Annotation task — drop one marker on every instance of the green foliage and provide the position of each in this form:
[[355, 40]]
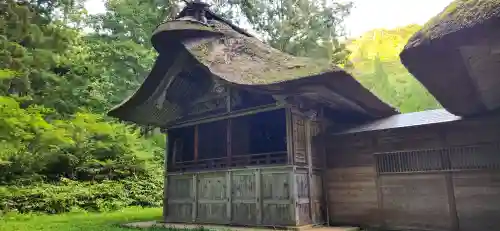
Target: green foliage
[[377, 66], [84, 148], [57, 149], [89, 196]]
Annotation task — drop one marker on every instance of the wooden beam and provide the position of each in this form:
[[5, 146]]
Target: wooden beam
[[172, 74], [225, 116]]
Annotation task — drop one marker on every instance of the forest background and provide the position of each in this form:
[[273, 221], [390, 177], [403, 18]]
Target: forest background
[[61, 69]]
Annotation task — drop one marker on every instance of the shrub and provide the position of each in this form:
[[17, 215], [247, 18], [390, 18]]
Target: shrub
[[71, 195], [86, 147], [85, 162]]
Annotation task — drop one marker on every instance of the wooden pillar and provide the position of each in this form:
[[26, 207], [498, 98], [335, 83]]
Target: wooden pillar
[[258, 196], [295, 197], [324, 177], [289, 136], [196, 143], [229, 126], [229, 195], [194, 209], [165, 182], [229, 145], [312, 209], [450, 187]]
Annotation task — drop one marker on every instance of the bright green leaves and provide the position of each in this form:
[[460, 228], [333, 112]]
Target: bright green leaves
[[377, 66], [87, 147]]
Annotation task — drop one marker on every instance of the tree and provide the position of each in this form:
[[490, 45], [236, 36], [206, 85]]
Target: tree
[[300, 27], [377, 66], [134, 20]]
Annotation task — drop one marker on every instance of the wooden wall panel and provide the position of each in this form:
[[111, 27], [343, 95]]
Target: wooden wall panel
[[317, 145], [276, 198], [256, 196], [415, 202], [303, 209], [244, 197], [317, 199], [462, 192], [212, 197], [472, 132], [180, 203], [352, 195], [477, 196], [404, 139]]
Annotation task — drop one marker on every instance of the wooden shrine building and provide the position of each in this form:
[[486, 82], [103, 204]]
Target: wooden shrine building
[[257, 137]]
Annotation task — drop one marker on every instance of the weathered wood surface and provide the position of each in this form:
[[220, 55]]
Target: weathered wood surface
[[352, 195], [303, 199], [415, 202], [276, 196], [317, 199], [299, 139], [477, 196], [433, 177]]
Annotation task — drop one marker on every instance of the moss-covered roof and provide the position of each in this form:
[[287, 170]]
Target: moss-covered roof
[[246, 60], [229, 53], [435, 54], [458, 15]]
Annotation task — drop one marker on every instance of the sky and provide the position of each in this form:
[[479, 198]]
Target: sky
[[367, 14]]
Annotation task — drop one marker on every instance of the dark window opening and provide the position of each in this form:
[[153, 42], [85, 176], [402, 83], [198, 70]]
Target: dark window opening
[[212, 139], [181, 144], [249, 100], [262, 136], [258, 139]]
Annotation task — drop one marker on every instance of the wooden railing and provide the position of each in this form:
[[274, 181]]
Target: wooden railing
[[270, 158]]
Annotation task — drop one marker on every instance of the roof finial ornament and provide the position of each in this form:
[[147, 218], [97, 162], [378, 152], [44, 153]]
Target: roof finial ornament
[[197, 10]]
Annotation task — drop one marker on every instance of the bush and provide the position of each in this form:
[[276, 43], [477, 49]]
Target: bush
[[71, 195], [86, 147], [85, 162]]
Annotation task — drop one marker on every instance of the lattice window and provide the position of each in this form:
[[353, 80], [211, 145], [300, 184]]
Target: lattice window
[[486, 156]]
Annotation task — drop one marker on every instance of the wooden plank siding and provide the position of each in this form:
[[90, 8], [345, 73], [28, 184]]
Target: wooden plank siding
[[431, 177], [260, 196]]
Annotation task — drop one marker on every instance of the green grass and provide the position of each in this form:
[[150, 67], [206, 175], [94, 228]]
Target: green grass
[[80, 221]]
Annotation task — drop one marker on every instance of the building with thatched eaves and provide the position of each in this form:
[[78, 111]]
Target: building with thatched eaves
[[456, 56], [257, 137]]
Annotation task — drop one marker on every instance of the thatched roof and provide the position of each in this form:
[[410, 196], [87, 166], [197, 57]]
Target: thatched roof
[[232, 55], [456, 55]]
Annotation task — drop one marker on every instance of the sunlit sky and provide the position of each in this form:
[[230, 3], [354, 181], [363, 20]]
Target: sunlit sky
[[367, 14]]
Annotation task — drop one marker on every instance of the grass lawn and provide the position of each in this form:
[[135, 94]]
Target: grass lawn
[[79, 221]]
